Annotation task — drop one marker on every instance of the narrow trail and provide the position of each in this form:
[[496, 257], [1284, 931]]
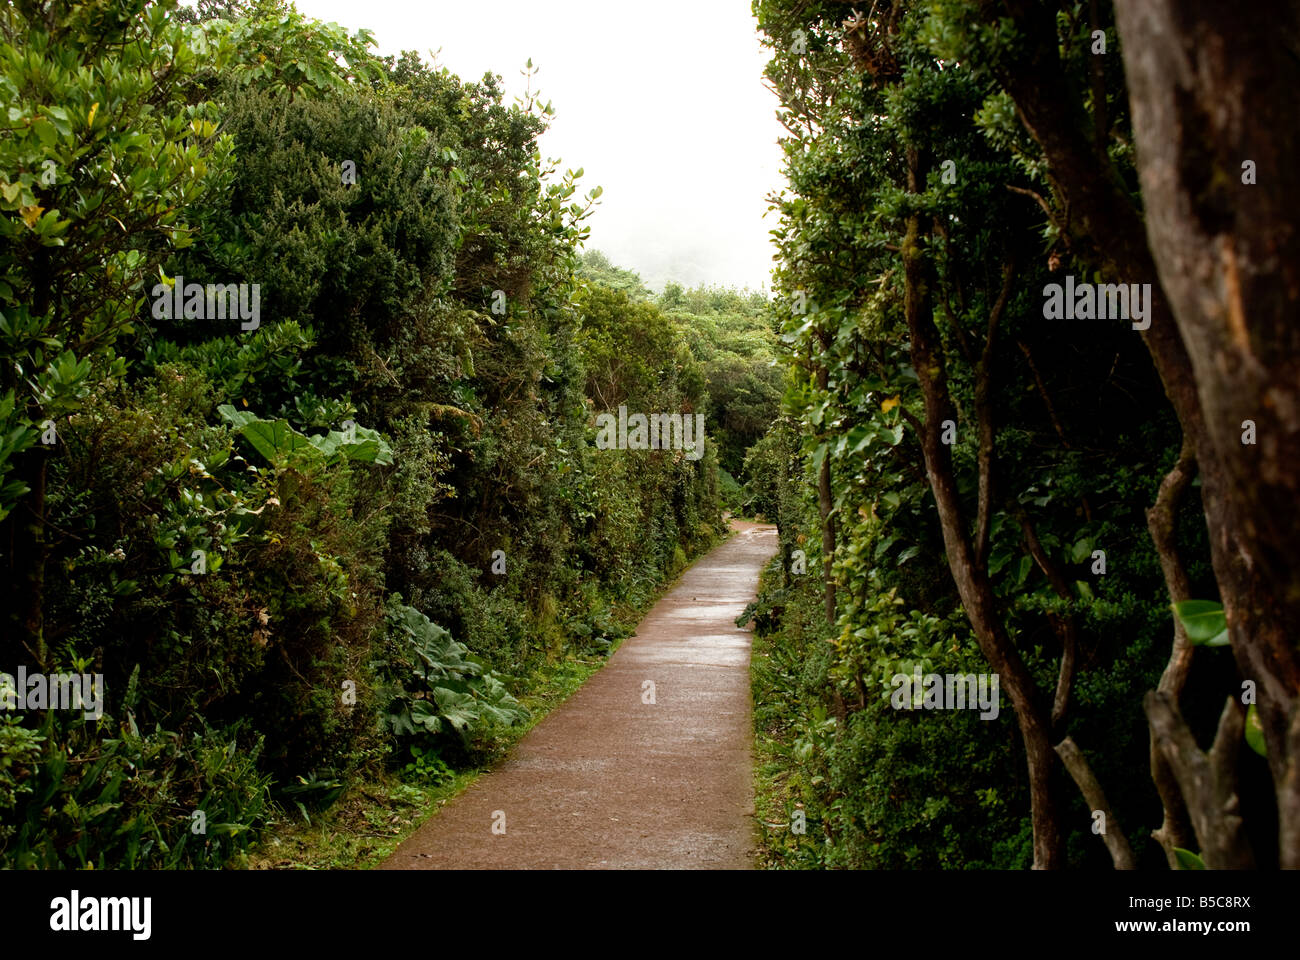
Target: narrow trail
[[609, 781]]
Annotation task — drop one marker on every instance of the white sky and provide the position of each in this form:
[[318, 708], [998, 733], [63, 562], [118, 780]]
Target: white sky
[[661, 104]]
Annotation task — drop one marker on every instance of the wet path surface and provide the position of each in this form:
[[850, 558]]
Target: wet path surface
[[608, 780]]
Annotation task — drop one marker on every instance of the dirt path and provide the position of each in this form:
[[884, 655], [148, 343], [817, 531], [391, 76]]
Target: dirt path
[[608, 780]]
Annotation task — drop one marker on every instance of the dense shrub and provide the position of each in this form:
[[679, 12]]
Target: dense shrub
[[345, 537]]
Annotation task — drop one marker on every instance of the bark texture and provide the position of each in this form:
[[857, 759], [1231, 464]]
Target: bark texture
[[1213, 91]]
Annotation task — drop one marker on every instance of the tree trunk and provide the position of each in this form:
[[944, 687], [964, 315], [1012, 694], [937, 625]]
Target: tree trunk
[[1212, 90], [972, 580], [1206, 94]]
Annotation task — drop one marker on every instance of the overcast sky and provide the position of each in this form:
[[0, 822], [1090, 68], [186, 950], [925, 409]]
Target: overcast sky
[[661, 104]]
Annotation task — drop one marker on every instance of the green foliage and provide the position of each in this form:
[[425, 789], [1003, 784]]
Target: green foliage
[[1255, 731], [278, 442], [90, 806], [1188, 860], [595, 267], [427, 766], [1204, 622], [880, 788], [99, 162], [730, 491], [1070, 462], [19, 749], [277, 49], [435, 689], [731, 333], [211, 525]]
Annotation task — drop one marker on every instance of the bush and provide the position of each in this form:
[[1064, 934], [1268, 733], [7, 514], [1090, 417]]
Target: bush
[[103, 794]]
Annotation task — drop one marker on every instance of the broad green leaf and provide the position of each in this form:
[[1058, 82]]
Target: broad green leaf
[[273, 439], [424, 714], [276, 440], [1204, 622], [1188, 860], [459, 709], [858, 437], [361, 444]]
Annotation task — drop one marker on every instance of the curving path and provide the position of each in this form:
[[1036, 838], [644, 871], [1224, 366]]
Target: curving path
[[610, 781]]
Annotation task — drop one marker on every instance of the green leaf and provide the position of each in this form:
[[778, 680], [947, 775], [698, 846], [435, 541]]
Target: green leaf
[[424, 714], [277, 440], [453, 692], [1204, 622], [857, 438], [818, 456], [1188, 860], [273, 439], [1255, 732], [458, 709], [45, 132], [361, 444]]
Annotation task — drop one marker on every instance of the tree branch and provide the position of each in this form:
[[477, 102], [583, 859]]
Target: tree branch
[[1208, 781], [1176, 829], [1121, 854]]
